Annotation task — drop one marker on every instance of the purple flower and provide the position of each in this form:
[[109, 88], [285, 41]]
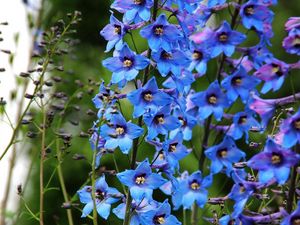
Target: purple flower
[[134, 10], [125, 65], [292, 23], [290, 128], [294, 218], [274, 162], [292, 42], [114, 33], [161, 34], [273, 73], [141, 181]]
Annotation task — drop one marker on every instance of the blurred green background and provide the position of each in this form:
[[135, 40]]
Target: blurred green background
[[86, 65]]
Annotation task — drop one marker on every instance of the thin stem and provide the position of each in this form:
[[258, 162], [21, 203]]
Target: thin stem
[[29, 210], [93, 178], [292, 188]]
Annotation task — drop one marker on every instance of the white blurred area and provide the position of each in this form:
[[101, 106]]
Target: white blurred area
[[15, 13]]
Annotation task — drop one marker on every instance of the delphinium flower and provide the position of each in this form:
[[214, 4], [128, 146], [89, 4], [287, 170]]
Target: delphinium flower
[[160, 122], [290, 128], [259, 54], [119, 133], [224, 39], [134, 10], [141, 181], [148, 97], [170, 61], [239, 84], [200, 55], [273, 73], [161, 34], [242, 123], [212, 3], [160, 216], [254, 14], [274, 162], [292, 42], [292, 23], [211, 101], [224, 155], [228, 220], [192, 189], [181, 83], [104, 197], [114, 33], [125, 65], [138, 206], [293, 218]]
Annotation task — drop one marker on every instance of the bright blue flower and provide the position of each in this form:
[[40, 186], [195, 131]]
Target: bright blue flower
[[224, 155], [125, 65], [255, 15], [273, 73], [141, 181], [134, 10], [104, 197], [170, 61], [239, 84], [274, 162], [160, 215], [242, 123], [187, 123], [212, 3], [290, 128], [161, 34], [160, 122], [192, 189], [120, 133], [114, 33], [293, 218], [200, 55], [228, 220], [180, 83], [211, 101], [148, 97], [138, 207]]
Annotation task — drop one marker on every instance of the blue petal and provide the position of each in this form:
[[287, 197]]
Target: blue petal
[[265, 175], [282, 174], [125, 144], [103, 210], [87, 209]]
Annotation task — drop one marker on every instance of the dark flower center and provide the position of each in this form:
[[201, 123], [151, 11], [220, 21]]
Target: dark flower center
[[249, 10], [237, 81], [172, 147], [276, 70], [222, 153], [195, 185], [99, 194], [276, 159], [117, 29], [127, 62], [242, 120], [231, 222], [197, 55], [140, 179], [161, 156], [166, 55], [223, 37], [296, 42], [295, 220], [160, 119], [212, 99], [159, 219], [242, 188], [182, 121], [159, 30], [147, 96], [297, 124], [119, 130], [138, 2]]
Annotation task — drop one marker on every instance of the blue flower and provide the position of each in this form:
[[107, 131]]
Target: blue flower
[[293, 218], [170, 61], [239, 84], [212, 3], [125, 65], [160, 122], [192, 189], [290, 128], [148, 97], [160, 215], [120, 133], [223, 155], [211, 101], [242, 123], [104, 197], [180, 83], [134, 11], [274, 163], [200, 55], [255, 15], [228, 220], [114, 33], [141, 181], [161, 34], [292, 42]]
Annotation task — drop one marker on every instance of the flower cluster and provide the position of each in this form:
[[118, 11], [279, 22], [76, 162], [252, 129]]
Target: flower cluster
[[168, 107]]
